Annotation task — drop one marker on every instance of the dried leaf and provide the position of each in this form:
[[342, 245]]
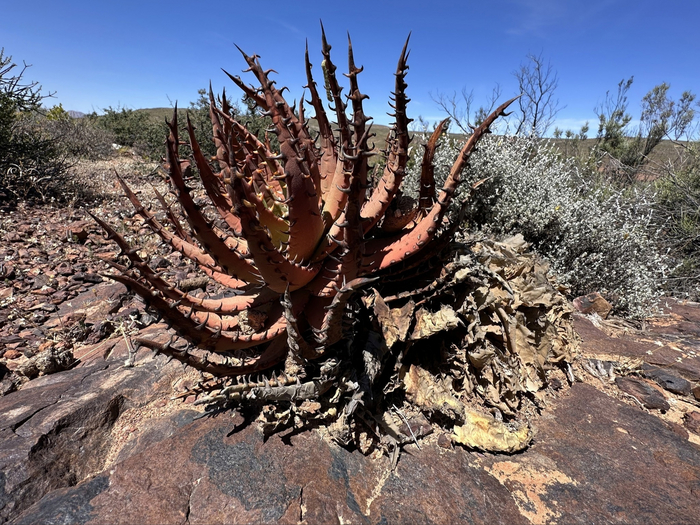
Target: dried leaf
[[430, 393], [430, 323], [484, 432], [395, 322]]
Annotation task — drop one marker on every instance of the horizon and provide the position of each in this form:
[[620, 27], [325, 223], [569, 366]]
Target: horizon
[[131, 60]]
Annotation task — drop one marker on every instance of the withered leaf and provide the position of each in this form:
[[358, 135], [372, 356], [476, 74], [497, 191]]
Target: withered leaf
[[395, 322], [430, 393], [429, 323], [484, 432]]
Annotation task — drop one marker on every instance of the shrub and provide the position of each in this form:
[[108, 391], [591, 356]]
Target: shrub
[[32, 163], [596, 237], [29, 161], [678, 204], [132, 129], [626, 150], [80, 138], [145, 135]]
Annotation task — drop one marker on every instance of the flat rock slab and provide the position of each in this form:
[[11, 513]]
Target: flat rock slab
[[210, 471], [594, 460], [664, 346], [683, 319], [643, 392], [57, 430]]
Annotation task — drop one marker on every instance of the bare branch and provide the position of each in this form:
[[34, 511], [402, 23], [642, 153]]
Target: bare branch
[[537, 82], [460, 110]]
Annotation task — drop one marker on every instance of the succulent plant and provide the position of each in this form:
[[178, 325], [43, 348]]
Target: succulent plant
[[296, 234], [301, 228]]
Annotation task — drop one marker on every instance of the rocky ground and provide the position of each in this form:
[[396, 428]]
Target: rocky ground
[[90, 432]]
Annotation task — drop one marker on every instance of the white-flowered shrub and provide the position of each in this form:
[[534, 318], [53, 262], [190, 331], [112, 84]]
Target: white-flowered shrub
[[596, 238]]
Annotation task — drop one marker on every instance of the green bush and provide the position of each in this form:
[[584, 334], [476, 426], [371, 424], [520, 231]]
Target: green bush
[[132, 129], [626, 150], [678, 203], [145, 135], [38, 146], [79, 138], [32, 164]]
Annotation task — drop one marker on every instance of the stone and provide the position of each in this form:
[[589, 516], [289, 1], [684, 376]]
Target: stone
[[667, 380], [444, 441], [47, 362], [595, 341], [677, 429], [9, 384], [12, 354], [685, 364], [691, 420], [683, 318], [593, 303], [77, 231], [95, 304], [595, 460], [56, 430], [7, 271], [646, 394], [696, 392], [9, 339]]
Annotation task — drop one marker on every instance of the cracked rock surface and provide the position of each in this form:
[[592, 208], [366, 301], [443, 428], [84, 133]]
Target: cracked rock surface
[[595, 460]]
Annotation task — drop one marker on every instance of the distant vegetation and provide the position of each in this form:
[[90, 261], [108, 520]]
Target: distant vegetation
[[616, 210], [617, 213]]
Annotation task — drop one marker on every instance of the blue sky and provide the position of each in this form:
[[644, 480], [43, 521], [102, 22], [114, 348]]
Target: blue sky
[[149, 53]]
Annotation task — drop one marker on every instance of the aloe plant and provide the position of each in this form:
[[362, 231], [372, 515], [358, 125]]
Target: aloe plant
[[302, 231]]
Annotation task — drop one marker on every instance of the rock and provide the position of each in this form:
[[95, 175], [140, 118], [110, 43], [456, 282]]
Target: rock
[[667, 380], [12, 354], [683, 319], [7, 271], [9, 384], [595, 341], [95, 304], [595, 460], [78, 231], [47, 362], [696, 392], [99, 331], [45, 290], [444, 441], [56, 431], [10, 339], [692, 422], [643, 392], [417, 426], [687, 366], [240, 477], [677, 429], [593, 303]]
